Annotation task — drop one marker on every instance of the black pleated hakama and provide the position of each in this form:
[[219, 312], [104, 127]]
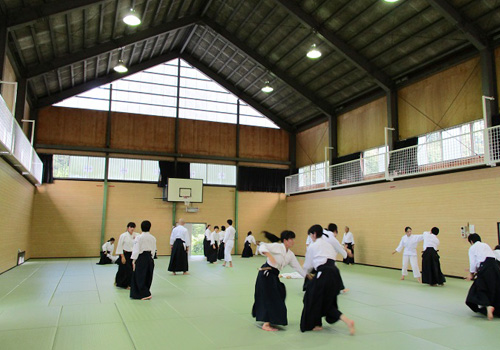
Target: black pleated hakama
[[485, 291], [337, 276], [431, 267], [247, 250], [320, 299], [348, 259], [178, 257], [220, 254], [270, 294], [124, 274], [206, 246], [142, 277], [212, 253], [104, 259]]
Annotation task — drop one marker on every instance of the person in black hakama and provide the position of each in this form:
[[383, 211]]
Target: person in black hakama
[[107, 253], [143, 264], [179, 244], [124, 250], [269, 298], [348, 242], [206, 240], [222, 233], [484, 294], [247, 249], [320, 298], [431, 267], [214, 245]]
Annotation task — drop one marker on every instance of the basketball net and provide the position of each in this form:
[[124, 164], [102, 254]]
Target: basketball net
[[186, 201]]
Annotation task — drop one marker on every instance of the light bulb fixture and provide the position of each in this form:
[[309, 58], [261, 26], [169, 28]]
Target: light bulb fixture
[[391, 0], [267, 88], [313, 52], [131, 18], [121, 67]]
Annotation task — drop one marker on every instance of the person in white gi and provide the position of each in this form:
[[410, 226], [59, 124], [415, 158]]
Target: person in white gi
[[348, 242], [108, 248], [180, 242], [409, 242], [124, 250], [229, 243], [143, 264]]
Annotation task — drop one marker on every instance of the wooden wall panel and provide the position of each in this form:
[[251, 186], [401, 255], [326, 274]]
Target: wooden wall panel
[[260, 211], [16, 204], [362, 128], [8, 91], [311, 145], [263, 143], [136, 202], [71, 126], [67, 219], [142, 132], [377, 215], [443, 100], [207, 138]]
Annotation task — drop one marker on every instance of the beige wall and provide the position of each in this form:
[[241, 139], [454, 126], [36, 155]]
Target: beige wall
[[16, 202], [377, 214]]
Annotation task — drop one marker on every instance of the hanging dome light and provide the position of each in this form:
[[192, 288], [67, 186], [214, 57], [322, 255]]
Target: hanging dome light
[[313, 52], [131, 18], [267, 88], [391, 0], [121, 67]]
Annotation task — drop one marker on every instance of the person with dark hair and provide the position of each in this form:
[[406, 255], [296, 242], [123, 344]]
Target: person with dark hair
[[320, 298], [222, 233], [206, 240], [431, 267], [124, 250], [229, 243], [179, 245], [409, 242], [247, 249], [107, 256], [484, 294], [497, 253], [143, 264], [269, 298], [348, 242], [213, 246]]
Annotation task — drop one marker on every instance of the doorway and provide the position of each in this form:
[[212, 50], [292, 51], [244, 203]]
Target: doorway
[[197, 232]]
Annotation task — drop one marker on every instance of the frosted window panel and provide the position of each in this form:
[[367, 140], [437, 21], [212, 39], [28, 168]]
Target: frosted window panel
[[60, 166], [198, 171], [150, 170], [115, 164], [218, 174], [257, 121]]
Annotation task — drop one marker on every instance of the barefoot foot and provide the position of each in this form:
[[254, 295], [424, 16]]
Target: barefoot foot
[[349, 323], [147, 298], [343, 291], [267, 327], [185, 273], [419, 280], [489, 312], [318, 328], [402, 278]]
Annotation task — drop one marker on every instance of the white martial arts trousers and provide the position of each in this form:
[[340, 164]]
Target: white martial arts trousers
[[414, 265], [228, 246]]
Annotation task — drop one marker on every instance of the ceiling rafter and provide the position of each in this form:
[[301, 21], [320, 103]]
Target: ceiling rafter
[[382, 79], [236, 91], [475, 36], [109, 46]]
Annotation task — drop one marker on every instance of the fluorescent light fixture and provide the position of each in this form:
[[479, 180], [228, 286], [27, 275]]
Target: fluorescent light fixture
[[131, 18], [121, 67], [391, 0], [267, 88], [313, 52]]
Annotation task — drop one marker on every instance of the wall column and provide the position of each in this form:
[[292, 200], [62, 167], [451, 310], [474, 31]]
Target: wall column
[[489, 86]]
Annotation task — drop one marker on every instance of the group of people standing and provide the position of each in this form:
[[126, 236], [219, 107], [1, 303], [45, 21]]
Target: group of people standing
[[218, 243], [321, 291]]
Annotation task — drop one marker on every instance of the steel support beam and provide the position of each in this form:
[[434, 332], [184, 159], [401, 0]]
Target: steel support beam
[[292, 151], [58, 97], [349, 53], [332, 138], [237, 92], [109, 46], [30, 14], [22, 89], [489, 86], [392, 118], [157, 154], [3, 42], [282, 75], [473, 33]]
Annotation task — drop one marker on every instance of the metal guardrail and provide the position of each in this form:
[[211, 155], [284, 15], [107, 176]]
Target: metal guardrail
[[15, 146], [450, 152]]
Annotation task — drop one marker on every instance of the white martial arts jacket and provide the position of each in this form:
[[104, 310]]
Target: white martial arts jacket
[[318, 253], [409, 244], [430, 240], [348, 238], [144, 242], [282, 256], [251, 239], [182, 233], [126, 242], [229, 236], [478, 253]]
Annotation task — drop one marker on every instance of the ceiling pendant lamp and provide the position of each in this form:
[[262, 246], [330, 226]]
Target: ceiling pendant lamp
[[313, 52], [121, 67], [131, 18], [267, 88]]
